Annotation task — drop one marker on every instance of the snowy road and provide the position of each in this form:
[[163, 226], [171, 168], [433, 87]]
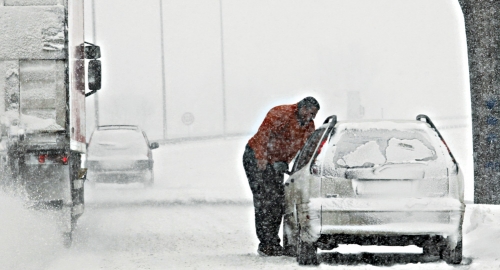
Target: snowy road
[[141, 235], [194, 237], [197, 219], [180, 236], [205, 236]]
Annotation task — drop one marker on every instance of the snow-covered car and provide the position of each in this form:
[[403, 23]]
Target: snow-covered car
[[120, 154], [392, 183]]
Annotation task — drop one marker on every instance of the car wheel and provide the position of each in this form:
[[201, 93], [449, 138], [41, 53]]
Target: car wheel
[[432, 246], [452, 256], [306, 252], [289, 236], [150, 182]]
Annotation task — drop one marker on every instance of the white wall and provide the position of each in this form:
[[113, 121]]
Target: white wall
[[128, 32], [193, 67], [407, 57]]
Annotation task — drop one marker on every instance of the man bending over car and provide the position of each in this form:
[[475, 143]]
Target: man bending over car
[[281, 135]]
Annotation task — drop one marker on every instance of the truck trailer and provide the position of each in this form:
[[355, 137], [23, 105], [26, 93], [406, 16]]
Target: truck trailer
[[43, 85]]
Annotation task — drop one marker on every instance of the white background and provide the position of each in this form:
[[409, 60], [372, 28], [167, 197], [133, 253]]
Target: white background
[[402, 58]]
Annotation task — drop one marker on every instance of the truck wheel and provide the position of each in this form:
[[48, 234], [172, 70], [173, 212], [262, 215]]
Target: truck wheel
[[306, 252], [452, 256], [67, 236], [68, 224], [67, 239]]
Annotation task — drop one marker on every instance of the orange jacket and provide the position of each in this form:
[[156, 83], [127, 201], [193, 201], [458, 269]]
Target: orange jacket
[[280, 135]]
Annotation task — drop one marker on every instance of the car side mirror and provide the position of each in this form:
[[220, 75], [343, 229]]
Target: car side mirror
[[94, 78], [154, 145]]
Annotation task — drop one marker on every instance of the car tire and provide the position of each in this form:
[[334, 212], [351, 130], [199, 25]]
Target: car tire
[[150, 182], [289, 236], [453, 256], [432, 246], [306, 252]]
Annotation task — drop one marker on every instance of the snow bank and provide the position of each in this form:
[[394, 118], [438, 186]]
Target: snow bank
[[482, 236]]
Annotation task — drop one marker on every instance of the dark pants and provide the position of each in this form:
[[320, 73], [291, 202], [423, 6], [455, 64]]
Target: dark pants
[[268, 199]]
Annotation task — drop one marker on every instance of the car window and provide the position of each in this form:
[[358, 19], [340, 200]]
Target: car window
[[376, 147], [116, 142], [308, 150]]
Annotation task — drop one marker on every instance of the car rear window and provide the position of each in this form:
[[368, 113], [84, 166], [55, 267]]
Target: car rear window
[[376, 147], [117, 142]]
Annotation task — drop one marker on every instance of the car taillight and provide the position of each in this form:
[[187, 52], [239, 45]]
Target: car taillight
[[48, 159], [41, 158], [449, 151], [321, 146]]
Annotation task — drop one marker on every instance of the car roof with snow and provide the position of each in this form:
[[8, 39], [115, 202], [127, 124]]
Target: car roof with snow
[[380, 124]]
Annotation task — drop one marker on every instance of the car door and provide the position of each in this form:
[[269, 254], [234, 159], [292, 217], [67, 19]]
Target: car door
[[298, 169]]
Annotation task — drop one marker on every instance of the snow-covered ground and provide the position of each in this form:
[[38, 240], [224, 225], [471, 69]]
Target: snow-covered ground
[[198, 216]]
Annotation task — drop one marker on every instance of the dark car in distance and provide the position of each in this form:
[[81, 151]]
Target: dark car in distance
[[120, 154]]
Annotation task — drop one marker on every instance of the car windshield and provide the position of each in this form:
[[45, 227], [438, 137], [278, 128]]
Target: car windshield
[[377, 147], [117, 142]]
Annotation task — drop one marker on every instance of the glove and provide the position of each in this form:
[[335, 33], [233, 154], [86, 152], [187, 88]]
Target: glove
[[280, 167]]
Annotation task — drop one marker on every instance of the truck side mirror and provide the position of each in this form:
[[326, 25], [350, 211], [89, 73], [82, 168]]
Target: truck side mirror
[[94, 77], [92, 52]]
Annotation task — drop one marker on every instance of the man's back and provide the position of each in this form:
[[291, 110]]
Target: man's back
[[280, 136]]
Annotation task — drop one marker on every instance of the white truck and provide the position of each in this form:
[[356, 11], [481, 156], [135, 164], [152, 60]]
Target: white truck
[[42, 104]]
